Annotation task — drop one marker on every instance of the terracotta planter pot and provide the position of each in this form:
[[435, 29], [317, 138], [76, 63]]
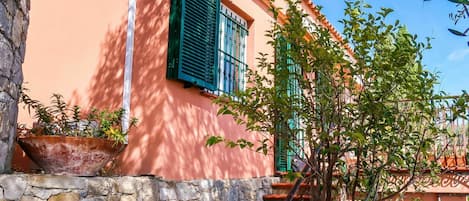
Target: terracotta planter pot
[[450, 161], [461, 161], [79, 156]]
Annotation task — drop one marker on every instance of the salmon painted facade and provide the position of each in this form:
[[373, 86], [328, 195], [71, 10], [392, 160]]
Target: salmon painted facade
[[78, 49]]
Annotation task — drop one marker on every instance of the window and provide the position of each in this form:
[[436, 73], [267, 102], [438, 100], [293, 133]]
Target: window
[[232, 51], [207, 46]]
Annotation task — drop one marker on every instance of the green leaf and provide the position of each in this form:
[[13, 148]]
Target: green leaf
[[358, 137], [465, 2], [231, 144], [213, 140], [244, 143], [292, 176], [456, 32]]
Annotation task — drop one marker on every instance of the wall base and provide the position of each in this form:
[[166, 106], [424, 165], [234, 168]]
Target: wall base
[[28, 187]]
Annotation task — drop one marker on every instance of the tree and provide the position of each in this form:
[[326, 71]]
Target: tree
[[353, 119], [462, 12]]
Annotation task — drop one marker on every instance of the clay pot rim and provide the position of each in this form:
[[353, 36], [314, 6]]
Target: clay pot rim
[[113, 143], [31, 136]]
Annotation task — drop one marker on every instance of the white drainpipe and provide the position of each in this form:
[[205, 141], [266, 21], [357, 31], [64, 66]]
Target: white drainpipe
[[129, 49]]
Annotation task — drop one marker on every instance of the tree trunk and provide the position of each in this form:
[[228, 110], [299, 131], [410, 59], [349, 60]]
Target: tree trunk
[[14, 21]]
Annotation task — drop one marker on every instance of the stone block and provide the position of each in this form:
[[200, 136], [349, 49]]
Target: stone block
[[94, 199], [3, 155], [99, 186], [257, 183], [13, 106], [63, 182], [13, 186], [148, 190], [30, 198], [205, 185], [219, 190], [43, 193], [113, 197], [260, 194], [187, 191], [10, 6], [65, 197], [6, 56], [16, 71], [126, 185], [24, 6], [268, 181], [82, 192], [167, 194], [6, 89], [162, 184], [20, 53], [206, 196], [233, 192], [5, 20], [218, 185], [247, 189], [17, 33], [128, 198]]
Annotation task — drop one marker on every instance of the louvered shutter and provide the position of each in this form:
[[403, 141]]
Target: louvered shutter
[[281, 152], [282, 158], [193, 42], [286, 148]]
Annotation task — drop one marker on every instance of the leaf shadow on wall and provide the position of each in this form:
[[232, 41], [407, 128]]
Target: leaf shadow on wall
[[173, 122]]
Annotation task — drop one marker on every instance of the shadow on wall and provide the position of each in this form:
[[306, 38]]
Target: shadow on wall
[[173, 122]]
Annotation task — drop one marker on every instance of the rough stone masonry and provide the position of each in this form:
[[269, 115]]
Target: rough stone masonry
[[14, 21], [36, 187]]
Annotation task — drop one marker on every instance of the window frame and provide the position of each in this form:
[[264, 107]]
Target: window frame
[[236, 52]]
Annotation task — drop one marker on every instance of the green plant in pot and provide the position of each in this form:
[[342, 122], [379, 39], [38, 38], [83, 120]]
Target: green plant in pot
[[67, 140]]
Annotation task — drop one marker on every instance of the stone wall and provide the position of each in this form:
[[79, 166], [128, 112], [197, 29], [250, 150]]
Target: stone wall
[[25, 187], [14, 21]]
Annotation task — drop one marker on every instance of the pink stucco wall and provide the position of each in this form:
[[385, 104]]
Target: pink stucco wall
[[76, 48]]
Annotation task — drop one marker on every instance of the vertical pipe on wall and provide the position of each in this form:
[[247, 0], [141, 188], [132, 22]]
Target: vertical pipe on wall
[[128, 65]]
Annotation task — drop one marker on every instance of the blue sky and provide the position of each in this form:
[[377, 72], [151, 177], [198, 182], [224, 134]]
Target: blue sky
[[449, 55]]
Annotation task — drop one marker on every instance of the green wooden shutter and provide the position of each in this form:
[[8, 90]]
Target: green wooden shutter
[[285, 146], [193, 42], [282, 152], [281, 149]]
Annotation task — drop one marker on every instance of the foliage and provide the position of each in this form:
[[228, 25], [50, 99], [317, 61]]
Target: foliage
[[360, 116], [462, 12], [59, 118]]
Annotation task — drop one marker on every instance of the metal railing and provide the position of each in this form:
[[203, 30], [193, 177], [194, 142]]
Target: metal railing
[[452, 149], [231, 53], [231, 76]]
